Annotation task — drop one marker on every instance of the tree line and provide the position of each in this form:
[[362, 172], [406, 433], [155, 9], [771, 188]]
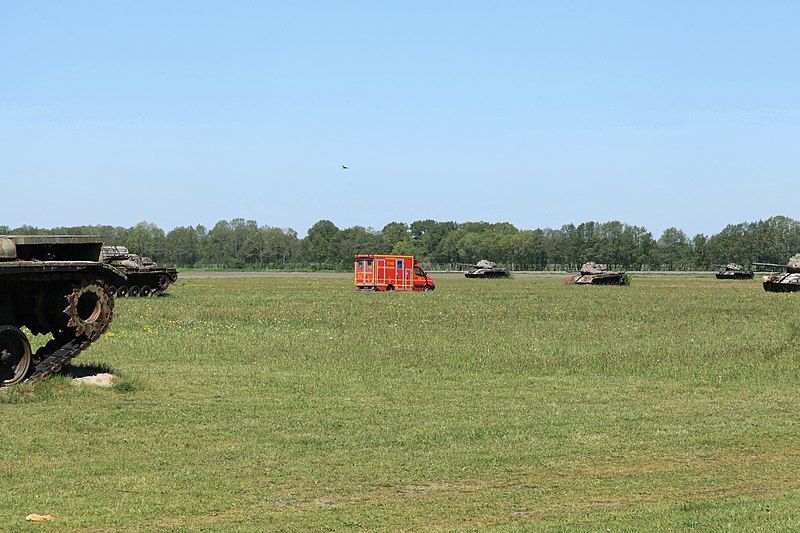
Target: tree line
[[243, 244]]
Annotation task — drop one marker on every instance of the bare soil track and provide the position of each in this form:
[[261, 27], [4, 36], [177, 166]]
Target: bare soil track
[[241, 274]]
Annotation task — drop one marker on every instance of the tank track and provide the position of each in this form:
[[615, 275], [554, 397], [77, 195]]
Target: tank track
[[68, 342], [54, 355], [156, 284]]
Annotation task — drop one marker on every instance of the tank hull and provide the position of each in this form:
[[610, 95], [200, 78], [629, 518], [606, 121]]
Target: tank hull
[[615, 278], [146, 283], [729, 274], [782, 282], [143, 276], [52, 286], [487, 273]]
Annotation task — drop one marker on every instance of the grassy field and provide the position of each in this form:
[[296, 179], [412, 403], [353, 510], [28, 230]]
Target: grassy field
[[523, 404]]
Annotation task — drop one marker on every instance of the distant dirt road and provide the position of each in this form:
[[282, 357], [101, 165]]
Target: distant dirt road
[[335, 275], [197, 275]]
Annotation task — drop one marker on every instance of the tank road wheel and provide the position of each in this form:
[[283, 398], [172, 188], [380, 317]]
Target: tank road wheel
[[122, 292], [15, 355], [163, 282], [145, 291], [133, 291], [90, 310]]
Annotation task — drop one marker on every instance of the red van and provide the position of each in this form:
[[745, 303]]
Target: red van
[[390, 273]]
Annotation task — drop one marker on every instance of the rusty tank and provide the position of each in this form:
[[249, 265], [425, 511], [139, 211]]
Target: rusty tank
[[734, 271], [57, 287], [788, 281], [486, 269], [596, 274], [144, 277]]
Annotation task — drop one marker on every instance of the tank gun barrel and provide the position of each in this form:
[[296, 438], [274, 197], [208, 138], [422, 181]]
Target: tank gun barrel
[[772, 265]]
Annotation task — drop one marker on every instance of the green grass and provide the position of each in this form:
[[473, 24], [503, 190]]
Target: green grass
[[299, 403]]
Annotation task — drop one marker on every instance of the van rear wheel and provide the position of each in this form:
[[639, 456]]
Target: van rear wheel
[[390, 287]]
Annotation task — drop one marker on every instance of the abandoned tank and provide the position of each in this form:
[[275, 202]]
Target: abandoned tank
[[144, 277], [486, 269], [788, 281], [596, 274], [51, 285], [734, 271]]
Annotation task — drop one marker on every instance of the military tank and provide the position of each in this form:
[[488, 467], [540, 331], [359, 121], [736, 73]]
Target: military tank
[[54, 286], [144, 277], [788, 281], [596, 274], [734, 271], [486, 269]]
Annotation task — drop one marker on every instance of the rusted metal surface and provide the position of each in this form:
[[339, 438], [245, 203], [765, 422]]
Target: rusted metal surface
[[486, 269], [787, 281], [54, 285], [596, 274]]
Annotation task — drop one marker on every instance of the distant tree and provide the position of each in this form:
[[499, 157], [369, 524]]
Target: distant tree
[[672, 250], [323, 245], [404, 248], [252, 244], [183, 246], [730, 244], [393, 233], [148, 240], [280, 246], [218, 247], [29, 230], [360, 240], [698, 247], [427, 235], [447, 249], [528, 250]]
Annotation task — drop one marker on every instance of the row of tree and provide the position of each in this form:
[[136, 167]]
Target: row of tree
[[243, 243]]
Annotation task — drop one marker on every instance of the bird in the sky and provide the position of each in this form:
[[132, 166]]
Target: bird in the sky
[[345, 168]]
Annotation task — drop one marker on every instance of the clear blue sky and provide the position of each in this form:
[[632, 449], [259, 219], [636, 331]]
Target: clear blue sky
[[678, 113]]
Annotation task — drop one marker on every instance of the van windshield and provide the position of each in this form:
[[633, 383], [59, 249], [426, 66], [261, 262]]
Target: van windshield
[[418, 271]]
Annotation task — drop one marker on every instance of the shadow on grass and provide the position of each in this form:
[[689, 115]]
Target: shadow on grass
[[82, 371]]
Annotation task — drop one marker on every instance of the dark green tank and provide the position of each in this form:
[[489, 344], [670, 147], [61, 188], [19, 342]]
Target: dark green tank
[[143, 276], [55, 286]]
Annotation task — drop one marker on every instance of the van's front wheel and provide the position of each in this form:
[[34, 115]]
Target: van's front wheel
[[427, 288]]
